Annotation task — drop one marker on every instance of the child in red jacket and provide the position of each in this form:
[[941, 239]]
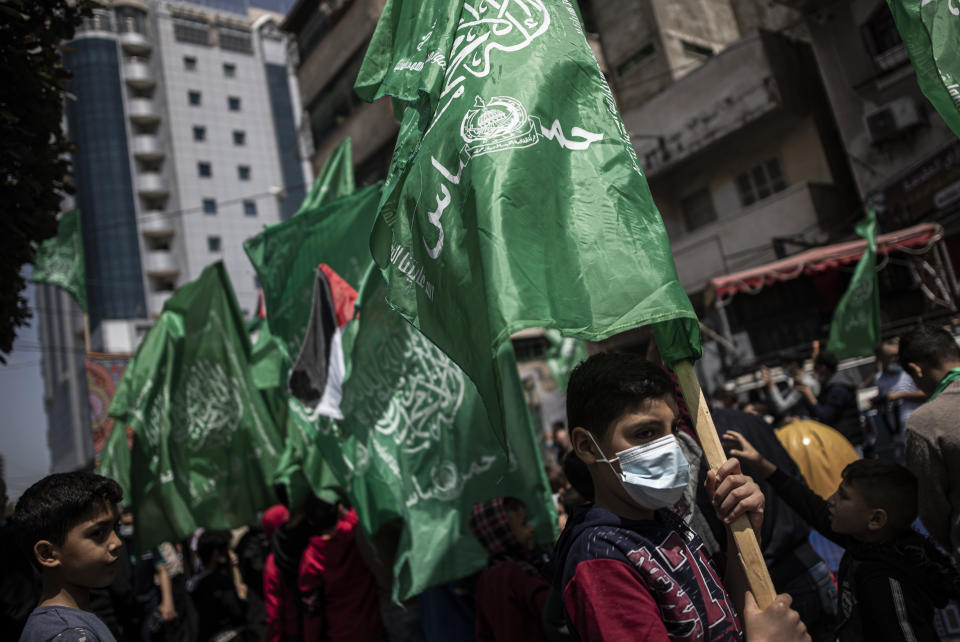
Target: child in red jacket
[[279, 597], [337, 589]]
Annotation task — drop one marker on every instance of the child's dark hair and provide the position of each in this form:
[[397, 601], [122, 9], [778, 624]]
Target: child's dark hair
[[321, 514], [928, 345], [212, 542], [55, 504], [888, 485], [609, 384], [513, 505]]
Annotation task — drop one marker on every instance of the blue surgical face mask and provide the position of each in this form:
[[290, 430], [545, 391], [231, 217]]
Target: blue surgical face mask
[[654, 474], [125, 531], [894, 368]]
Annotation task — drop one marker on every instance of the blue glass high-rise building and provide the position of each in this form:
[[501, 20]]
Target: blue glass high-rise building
[[186, 121]]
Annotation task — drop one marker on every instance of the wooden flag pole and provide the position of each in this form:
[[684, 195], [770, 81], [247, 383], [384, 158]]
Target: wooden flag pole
[[750, 555], [86, 332]]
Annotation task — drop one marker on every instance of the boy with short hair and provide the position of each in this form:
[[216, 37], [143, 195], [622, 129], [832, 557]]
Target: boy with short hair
[[891, 578], [511, 592], [629, 567], [67, 524]]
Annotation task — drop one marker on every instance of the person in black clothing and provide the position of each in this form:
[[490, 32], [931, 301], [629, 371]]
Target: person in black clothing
[[891, 577], [836, 406], [795, 567], [222, 614], [252, 551]]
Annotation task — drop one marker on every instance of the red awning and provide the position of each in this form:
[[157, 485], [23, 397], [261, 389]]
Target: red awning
[[821, 259]]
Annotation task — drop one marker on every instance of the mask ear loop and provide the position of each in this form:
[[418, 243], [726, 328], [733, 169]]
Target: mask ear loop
[[603, 457]]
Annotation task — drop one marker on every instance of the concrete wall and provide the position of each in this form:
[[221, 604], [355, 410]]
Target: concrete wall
[[856, 84], [744, 239], [338, 45]]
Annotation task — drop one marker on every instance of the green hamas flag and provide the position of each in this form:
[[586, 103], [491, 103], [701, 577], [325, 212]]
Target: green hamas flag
[[855, 329], [930, 29], [514, 197], [564, 353], [334, 181], [59, 260], [417, 446], [204, 444]]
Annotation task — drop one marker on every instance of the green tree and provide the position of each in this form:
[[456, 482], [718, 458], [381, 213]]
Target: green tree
[[34, 149]]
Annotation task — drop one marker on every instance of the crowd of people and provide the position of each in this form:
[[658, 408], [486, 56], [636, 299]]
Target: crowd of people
[[645, 550]]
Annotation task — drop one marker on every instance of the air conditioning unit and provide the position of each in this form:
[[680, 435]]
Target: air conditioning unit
[[893, 119]]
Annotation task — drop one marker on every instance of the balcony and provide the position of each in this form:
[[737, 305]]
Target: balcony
[[157, 299], [135, 43], [152, 185], [156, 224], [138, 74], [146, 147], [142, 111], [737, 243], [761, 74], [160, 264]]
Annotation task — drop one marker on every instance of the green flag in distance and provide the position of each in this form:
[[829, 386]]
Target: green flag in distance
[[335, 179], [855, 329], [204, 444], [59, 260]]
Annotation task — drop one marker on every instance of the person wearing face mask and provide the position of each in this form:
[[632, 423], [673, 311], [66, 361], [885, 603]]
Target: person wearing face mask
[[628, 567], [897, 398]]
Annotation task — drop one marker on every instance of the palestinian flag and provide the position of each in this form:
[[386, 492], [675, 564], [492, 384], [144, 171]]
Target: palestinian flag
[[317, 375]]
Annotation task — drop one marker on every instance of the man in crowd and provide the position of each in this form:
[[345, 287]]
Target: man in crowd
[[931, 356]]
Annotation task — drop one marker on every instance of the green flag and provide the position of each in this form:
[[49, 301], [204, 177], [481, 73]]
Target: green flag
[[930, 29], [855, 329], [417, 446], [564, 353], [204, 444], [514, 197], [334, 181], [59, 260]]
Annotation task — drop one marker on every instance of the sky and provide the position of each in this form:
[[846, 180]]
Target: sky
[[23, 423]]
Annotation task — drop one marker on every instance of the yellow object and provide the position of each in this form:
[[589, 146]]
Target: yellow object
[[820, 451]]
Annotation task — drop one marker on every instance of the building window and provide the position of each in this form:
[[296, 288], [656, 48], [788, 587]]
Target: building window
[[213, 243], [698, 209], [199, 133], [636, 59], [243, 172], [233, 103], [204, 170], [209, 206], [229, 70], [233, 39], [760, 182], [192, 30], [694, 50], [239, 138], [193, 97], [249, 208], [883, 40], [189, 63]]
